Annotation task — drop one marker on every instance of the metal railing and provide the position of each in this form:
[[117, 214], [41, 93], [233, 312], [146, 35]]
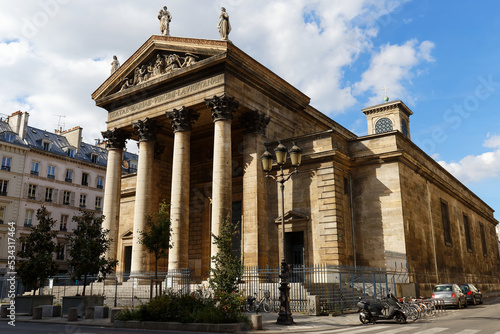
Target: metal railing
[[338, 288]]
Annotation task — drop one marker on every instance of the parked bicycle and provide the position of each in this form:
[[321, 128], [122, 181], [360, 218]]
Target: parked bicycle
[[264, 303]]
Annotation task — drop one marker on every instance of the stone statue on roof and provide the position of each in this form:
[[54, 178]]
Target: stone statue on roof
[[224, 26], [165, 18], [115, 64]]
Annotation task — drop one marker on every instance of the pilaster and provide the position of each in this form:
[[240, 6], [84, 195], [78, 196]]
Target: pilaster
[[255, 225]]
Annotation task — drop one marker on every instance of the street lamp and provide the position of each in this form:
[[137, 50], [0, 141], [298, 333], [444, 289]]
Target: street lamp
[[285, 315]]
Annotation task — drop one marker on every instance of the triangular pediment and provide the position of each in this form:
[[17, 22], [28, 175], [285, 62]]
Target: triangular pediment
[[292, 217], [160, 58], [127, 235]]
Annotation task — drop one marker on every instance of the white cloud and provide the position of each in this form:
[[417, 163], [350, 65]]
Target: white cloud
[[476, 168], [394, 66], [47, 48]]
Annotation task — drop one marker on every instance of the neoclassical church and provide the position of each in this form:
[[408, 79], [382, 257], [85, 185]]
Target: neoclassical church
[[203, 112]]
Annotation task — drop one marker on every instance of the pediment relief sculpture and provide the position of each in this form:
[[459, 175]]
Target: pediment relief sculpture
[[163, 64]]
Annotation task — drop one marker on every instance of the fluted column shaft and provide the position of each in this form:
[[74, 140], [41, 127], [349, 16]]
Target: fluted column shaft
[[182, 121], [223, 108], [143, 193], [112, 190]]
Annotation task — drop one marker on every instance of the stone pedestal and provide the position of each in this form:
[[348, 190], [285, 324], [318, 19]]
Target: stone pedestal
[[256, 321], [37, 312]]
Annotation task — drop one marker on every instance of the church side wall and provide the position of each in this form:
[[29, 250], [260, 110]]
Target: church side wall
[[434, 258]]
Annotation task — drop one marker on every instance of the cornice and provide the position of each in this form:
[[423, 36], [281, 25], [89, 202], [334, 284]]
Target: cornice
[[387, 107]]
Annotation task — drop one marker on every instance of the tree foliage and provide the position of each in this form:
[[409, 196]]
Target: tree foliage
[[37, 254], [156, 237], [227, 267], [87, 246]]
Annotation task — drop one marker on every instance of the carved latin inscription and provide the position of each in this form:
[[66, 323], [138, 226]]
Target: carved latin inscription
[[157, 100]]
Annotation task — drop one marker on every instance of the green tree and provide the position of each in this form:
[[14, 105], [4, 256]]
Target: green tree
[[87, 246], [156, 237], [37, 254], [226, 272], [227, 267]]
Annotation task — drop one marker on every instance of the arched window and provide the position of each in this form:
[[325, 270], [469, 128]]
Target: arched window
[[383, 125]]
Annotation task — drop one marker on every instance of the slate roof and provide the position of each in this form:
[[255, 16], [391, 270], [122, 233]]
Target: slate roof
[[5, 131], [60, 145]]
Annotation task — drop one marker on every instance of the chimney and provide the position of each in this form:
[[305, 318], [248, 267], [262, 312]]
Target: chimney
[[18, 122], [74, 136]]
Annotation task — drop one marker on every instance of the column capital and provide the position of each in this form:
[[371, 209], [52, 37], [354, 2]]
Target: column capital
[[222, 106], [115, 138], [254, 122], [182, 119], [147, 129]]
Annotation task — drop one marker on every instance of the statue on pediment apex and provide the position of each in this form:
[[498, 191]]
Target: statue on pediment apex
[[165, 18]]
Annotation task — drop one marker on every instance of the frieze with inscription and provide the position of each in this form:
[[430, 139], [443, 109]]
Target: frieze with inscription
[[173, 94], [164, 63]]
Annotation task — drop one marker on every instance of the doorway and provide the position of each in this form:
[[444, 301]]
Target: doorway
[[127, 262], [295, 254]]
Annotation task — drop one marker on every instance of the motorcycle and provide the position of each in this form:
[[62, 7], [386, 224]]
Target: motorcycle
[[371, 312]]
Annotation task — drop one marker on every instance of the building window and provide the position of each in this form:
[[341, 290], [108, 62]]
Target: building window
[[94, 158], [4, 184], [69, 176], [66, 197], [49, 195], [468, 239], [60, 251], [51, 172], [35, 166], [383, 125], [6, 161], [445, 215], [71, 153], [28, 220], [346, 186], [63, 226], [404, 127], [100, 182], [83, 200], [98, 203], [46, 146], [2, 215], [483, 239], [85, 179], [9, 137], [32, 191]]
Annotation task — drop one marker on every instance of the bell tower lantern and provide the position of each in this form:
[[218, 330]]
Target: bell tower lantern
[[388, 116]]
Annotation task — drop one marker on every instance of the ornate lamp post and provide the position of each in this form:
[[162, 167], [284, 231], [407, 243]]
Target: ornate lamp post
[[285, 315]]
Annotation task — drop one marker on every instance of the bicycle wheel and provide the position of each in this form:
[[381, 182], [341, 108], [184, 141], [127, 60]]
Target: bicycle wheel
[[250, 307], [266, 306]]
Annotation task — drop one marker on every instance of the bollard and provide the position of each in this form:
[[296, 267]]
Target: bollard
[[257, 321], [4, 311], [73, 314], [89, 312], [37, 312]]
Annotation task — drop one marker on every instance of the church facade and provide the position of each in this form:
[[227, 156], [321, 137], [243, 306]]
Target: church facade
[[203, 113]]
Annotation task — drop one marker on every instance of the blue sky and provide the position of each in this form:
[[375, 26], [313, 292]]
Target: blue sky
[[439, 57]]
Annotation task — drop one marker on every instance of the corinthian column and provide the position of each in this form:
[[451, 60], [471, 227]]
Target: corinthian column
[[223, 108], [146, 133], [182, 123], [115, 142], [256, 243]]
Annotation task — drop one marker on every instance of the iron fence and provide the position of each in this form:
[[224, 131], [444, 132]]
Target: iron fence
[[338, 288]]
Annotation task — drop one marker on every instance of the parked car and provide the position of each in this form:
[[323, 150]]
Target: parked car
[[472, 294], [450, 294]]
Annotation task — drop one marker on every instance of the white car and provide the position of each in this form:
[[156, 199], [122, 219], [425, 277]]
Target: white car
[[450, 294]]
